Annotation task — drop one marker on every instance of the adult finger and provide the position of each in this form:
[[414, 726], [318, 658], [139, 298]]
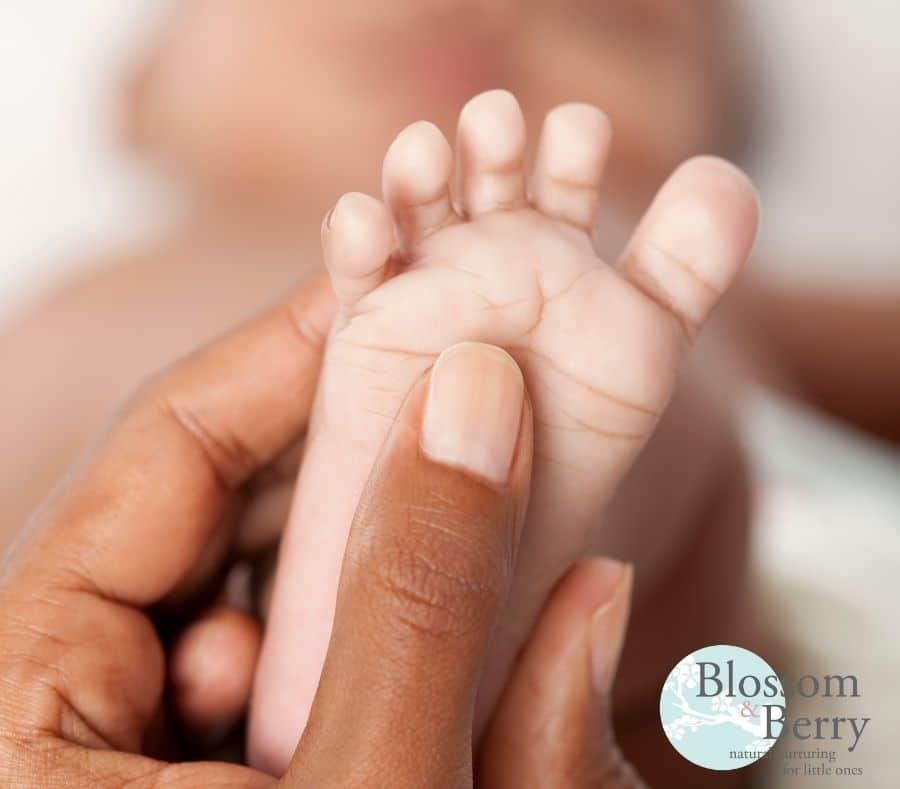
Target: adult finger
[[170, 464], [211, 668], [254, 530], [427, 569], [553, 727]]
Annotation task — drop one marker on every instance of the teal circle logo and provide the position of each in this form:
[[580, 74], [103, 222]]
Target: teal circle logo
[[722, 707]]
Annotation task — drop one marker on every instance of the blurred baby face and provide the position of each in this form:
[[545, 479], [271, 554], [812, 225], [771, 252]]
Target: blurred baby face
[[300, 98]]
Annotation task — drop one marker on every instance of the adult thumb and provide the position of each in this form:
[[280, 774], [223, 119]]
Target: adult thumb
[[426, 573]]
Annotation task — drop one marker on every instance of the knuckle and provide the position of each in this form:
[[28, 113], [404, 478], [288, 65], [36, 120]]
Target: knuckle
[[230, 458], [437, 580], [672, 281]]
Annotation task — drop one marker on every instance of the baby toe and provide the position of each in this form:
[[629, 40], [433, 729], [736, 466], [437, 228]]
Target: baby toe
[[571, 157], [357, 241], [490, 150], [415, 182]]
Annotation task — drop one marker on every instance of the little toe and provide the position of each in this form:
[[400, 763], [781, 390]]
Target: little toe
[[415, 182], [693, 240], [570, 160], [357, 241], [490, 149]]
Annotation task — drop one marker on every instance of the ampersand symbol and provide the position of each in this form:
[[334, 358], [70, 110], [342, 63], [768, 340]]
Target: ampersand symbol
[[748, 710]]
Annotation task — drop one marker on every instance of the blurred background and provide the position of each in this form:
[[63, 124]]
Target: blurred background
[[826, 119], [166, 164]]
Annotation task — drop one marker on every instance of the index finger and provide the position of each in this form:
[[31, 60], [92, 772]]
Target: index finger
[[136, 513]]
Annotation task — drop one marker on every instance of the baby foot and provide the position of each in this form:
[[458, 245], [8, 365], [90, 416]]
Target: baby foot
[[599, 347]]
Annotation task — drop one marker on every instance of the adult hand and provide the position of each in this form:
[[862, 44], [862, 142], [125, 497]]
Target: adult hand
[[103, 597], [428, 566]]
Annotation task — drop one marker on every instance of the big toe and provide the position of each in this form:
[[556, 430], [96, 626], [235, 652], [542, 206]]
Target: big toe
[[694, 239]]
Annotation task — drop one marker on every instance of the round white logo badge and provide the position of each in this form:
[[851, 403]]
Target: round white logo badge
[[722, 707]]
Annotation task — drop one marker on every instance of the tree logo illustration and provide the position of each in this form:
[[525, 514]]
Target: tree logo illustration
[[722, 707]]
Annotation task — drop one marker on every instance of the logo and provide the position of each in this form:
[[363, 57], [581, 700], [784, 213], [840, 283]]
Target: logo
[[722, 707]]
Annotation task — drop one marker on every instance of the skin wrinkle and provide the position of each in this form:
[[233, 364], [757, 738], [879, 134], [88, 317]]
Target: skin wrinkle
[[542, 301], [566, 288], [496, 206], [79, 725], [34, 745], [113, 777], [539, 455], [32, 628], [385, 389], [418, 516], [387, 349], [653, 289], [510, 168], [542, 305], [404, 571], [572, 191], [568, 183], [441, 498], [423, 605], [684, 266], [499, 307], [38, 670], [229, 459], [438, 262], [126, 694], [602, 433], [433, 567], [582, 425], [385, 415], [55, 705], [79, 580], [422, 624], [434, 262], [424, 529], [27, 624], [630, 406]]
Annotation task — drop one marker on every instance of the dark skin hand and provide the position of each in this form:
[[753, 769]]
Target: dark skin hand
[[108, 655]]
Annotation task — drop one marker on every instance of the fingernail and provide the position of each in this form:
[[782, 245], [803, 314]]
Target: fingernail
[[474, 410], [608, 625]]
